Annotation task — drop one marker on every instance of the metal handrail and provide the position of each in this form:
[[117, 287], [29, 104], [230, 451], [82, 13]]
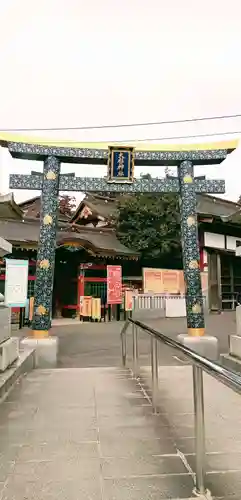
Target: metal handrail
[[228, 377], [200, 364]]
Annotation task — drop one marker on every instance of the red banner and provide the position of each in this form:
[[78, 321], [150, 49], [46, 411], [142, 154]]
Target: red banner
[[114, 285]]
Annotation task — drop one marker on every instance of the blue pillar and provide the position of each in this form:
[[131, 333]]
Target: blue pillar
[[190, 249], [43, 291]]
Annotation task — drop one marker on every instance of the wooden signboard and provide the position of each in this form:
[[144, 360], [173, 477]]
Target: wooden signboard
[[160, 280], [86, 306]]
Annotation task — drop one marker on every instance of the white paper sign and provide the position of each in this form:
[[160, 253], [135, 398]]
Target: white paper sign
[[16, 282]]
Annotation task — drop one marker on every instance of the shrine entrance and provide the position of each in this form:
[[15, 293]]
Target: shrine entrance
[[120, 162]]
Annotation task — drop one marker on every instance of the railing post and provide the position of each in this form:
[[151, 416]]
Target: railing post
[[199, 429], [135, 350], [154, 371], [123, 348]]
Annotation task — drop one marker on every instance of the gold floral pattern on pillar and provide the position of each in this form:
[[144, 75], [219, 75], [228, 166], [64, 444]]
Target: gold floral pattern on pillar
[[196, 309], [188, 179], [50, 176], [41, 310], [193, 264], [44, 264], [48, 219], [191, 220]]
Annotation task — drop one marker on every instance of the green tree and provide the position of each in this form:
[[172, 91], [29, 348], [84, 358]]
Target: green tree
[[150, 224]]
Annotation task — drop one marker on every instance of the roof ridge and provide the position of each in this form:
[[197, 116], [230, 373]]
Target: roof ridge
[[222, 200]]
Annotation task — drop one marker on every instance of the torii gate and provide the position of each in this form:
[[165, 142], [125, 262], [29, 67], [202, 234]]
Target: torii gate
[[120, 161]]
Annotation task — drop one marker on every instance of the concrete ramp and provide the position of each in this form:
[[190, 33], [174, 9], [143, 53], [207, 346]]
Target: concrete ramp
[[83, 434], [89, 434]]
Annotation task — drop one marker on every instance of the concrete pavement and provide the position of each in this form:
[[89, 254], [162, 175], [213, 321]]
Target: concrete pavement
[[86, 430], [86, 434], [89, 434], [98, 344], [222, 423]]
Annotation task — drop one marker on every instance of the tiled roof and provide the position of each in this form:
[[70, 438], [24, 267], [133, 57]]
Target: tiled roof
[[206, 204], [212, 205], [8, 208], [102, 206], [32, 208], [101, 241]]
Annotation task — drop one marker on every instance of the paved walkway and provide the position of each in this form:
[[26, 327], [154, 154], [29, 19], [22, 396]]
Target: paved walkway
[[222, 422], [98, 344], [89, 434], [86, 431]]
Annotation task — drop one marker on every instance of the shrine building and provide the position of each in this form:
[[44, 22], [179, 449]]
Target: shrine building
[[87, 243]]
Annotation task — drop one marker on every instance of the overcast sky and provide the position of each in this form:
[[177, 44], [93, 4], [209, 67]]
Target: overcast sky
[[66, 63]]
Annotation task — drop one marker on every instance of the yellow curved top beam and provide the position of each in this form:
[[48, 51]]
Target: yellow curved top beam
[[9, 137]]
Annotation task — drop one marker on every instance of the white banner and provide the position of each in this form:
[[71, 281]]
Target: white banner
[[16, 282]]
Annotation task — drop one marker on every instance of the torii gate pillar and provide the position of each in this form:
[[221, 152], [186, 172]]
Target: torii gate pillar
[[43, 291], [190, 249]]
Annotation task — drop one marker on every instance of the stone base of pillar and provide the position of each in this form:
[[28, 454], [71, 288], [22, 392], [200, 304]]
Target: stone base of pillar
[[206, 346], [238, 320], [231, 362], [46, 350], [233, 359], [235, 346]]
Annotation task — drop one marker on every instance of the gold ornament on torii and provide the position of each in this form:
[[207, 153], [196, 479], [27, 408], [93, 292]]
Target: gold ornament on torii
[[48, 219], [44, 264], [191, 220], [196, 309], [41, 310], [50, 176], [187, 179], [193, 264]]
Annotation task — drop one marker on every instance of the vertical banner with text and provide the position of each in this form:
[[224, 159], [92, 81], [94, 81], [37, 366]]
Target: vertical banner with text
[[16, 283], [114, 285]]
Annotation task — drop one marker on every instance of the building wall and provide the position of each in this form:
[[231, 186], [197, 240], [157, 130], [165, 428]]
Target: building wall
[[223, 267], [221, 241]]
